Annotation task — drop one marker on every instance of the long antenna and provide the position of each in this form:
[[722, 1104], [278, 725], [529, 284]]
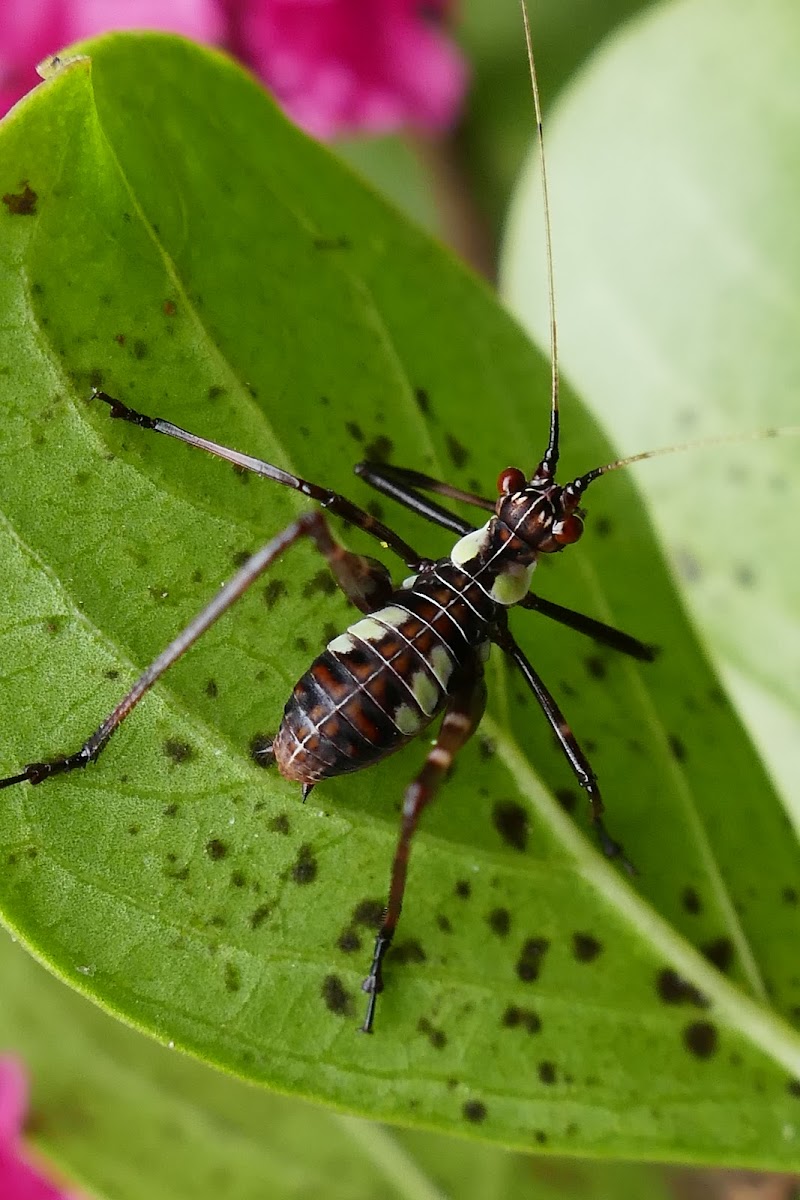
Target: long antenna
[[583, 481], [550, 459]]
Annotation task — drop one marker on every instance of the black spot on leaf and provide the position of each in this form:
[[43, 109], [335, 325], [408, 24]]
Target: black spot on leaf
[[436, 1037], [511, 822], [337, 999], [700, 1039], [500, 921], [409, 951], [691, 901], [305, 868], [585, 947], [530, 960], [459, 455], [369, 913], [273, 592], [486, 748], [547, 1072], [216, 849], [423, 400], [567, 799], [349, 941], [259, 915], [379, 449], [515, 1017], [21, 204], [463, 889], [719, 952], [595, 666], [677, 747], [179, 752], [474, 1111], [673, 989]]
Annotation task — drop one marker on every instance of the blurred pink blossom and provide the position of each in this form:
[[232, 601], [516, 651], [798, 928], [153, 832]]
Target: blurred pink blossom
[[336, 66], [350, 66], [18, 1179], [30, 31]]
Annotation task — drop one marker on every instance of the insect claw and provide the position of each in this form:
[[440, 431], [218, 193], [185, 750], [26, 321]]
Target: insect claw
[[307, 790], [612, 849], [373, 986], [369, 1016]]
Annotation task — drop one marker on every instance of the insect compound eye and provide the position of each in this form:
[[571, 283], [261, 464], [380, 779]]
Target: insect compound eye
[[568, 531], [510, 480]]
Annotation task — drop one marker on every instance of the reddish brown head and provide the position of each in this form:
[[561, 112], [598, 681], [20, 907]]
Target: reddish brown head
[[540, 511]]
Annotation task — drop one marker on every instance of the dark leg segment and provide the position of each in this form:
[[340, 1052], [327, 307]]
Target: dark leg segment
[[364, 582], [576, 758], [384, 477], [332, 501], [607, 635], [401, 484], [461, 718]]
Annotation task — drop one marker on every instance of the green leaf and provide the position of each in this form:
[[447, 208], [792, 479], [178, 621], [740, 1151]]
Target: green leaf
[[199, 1132], [205, 262]]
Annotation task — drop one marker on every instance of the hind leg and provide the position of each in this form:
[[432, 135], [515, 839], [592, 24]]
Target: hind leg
[[461, 718], [364, 581]]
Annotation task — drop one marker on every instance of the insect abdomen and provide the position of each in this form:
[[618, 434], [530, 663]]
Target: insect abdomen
[[373, 689]]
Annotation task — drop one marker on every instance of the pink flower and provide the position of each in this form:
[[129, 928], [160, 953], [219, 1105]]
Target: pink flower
[[30, 31], [336, 66], [18, 1179], [349, 66]]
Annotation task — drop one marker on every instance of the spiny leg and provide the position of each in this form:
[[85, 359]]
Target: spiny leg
[[353, 572], [576, 758], [333, 502], [400, 484], [461, 718]]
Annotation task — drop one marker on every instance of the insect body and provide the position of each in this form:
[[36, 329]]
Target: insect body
[[417, 651], [385, 679]]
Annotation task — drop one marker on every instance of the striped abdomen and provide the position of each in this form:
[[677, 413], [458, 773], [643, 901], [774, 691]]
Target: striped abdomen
[[380, 683]]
